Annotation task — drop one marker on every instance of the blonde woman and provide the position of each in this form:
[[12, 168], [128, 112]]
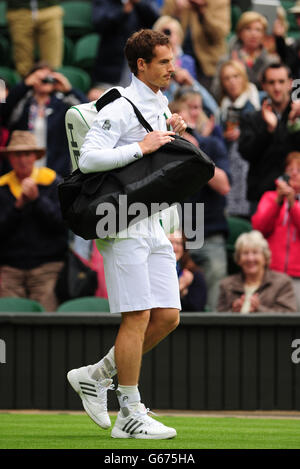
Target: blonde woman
[[256, 289], [238, 96], [248, 48]]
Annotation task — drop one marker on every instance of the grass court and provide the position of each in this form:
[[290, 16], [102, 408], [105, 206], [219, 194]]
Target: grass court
[[77, 431]]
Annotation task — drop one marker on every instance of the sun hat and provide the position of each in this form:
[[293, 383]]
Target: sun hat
[[22, 140], [296, 8]]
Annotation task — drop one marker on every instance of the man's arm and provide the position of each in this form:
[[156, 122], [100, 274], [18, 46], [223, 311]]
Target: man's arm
[[254, 137], [100, 150]]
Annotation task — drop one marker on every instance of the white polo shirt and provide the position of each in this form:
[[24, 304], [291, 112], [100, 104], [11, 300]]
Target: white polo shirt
[[112, 141]]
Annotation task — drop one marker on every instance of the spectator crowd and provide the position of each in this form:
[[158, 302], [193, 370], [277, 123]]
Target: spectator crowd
[[235, 85]]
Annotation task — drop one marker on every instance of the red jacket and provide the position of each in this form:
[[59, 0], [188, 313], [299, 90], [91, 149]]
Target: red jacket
[[281, 227]]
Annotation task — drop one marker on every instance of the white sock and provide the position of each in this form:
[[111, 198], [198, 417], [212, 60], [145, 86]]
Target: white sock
[[129, 398], [105, 368]]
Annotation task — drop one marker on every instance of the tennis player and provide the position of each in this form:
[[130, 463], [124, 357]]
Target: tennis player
[[140, 267]]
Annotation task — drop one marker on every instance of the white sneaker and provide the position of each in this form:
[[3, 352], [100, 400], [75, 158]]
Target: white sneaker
[[139, 425], [93, 394]]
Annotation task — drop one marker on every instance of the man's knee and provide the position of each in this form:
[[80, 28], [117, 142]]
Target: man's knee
[[166, 319], [136, 321]]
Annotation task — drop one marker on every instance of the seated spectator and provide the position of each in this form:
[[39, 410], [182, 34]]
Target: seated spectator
[[238, 96], [33, 234], [289, 53], [248, 48], [278, 218], [205, 23], [33, 23], [256, 289], [191, 280], [38, 104]]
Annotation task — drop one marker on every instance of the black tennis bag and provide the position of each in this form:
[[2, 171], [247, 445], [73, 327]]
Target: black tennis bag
[[169, 175]]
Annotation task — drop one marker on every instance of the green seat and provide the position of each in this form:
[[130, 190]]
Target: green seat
[[237, 226], [5, 52], [20, 305], [85, 51], [68, 58], [235, 16], [3, 21], [291, 18], [78, 78], [87, 304], [77, 18], [11, 76]]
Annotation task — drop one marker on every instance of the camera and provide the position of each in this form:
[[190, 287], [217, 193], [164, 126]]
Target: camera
[[285, 177], [49, 79], [167, 31]]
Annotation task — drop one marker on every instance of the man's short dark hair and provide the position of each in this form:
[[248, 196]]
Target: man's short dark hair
[[141, 45], [275, 66]]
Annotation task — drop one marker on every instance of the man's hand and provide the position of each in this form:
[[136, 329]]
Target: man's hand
[[35, 78], [128, 7], [295, 111], [30, 189], [30, 192], [62, 83], [279, 28], [154, 140], [199, 5], [183, 77], [185, 281], [269, 116], [177, 123]]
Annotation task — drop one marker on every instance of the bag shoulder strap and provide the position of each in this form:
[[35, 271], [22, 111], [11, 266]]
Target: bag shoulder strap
[[114, 94]]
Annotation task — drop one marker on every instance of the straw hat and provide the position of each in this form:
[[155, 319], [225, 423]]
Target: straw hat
[[22, 140], [296, 8]]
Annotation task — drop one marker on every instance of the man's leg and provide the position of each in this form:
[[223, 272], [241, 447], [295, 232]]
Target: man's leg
[[129, 346], [21, 28], [139, 332], [50, 35], [41, 283], [12, 282], [161, 323]]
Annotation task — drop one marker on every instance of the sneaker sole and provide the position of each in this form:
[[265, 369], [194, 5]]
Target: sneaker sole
[[117, 433], [72, 378]]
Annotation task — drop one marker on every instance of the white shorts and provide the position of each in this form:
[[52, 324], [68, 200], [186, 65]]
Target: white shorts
[[140, 274]]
